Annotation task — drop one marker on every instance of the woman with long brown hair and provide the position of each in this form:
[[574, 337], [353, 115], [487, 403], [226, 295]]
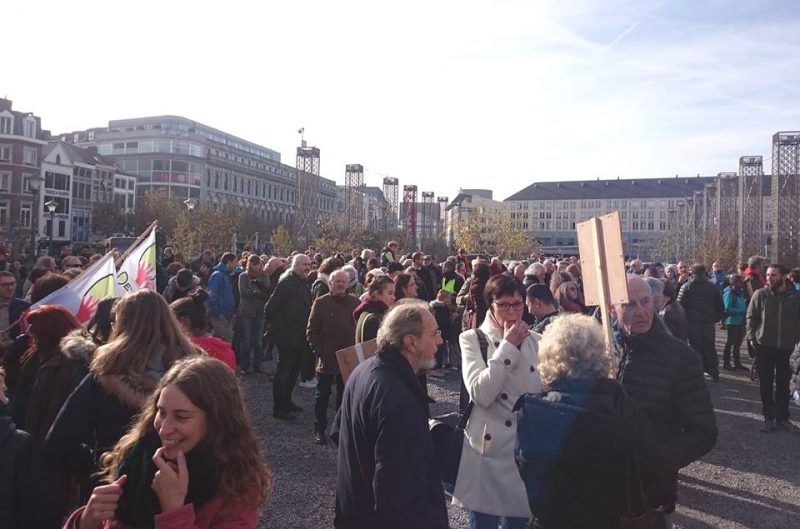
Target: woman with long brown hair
[[145, 341], [190, 459]]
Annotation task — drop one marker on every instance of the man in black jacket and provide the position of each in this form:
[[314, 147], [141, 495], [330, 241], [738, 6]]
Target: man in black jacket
[[664, 375], [387, 474], [287, 314], [704, 308]]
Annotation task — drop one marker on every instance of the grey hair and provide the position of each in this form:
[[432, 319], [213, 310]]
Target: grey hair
[[534, 270], [656, 285], [755, 260], [573, 347], [345, 271], [295, 264], [671, 268], [404, 318]]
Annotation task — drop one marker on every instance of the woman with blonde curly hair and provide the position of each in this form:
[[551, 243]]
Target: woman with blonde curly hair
[[578, 437], [190, 459]]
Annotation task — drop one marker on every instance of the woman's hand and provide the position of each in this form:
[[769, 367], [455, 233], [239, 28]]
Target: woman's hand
[[171, 482], [102, 504], [515, 333]]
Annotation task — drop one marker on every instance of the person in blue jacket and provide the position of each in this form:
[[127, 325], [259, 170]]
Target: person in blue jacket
[[222, 305], [733, 299]]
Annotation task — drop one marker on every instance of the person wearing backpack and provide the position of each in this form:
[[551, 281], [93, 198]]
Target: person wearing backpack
[[488, 484]]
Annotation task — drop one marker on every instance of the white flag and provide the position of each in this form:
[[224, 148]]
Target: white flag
[[138, 270], [81, 295]]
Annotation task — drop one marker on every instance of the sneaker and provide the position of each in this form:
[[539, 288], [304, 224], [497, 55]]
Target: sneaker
[[244, 371], [319, 438], [767, 427], [786, 426], [308, 384]]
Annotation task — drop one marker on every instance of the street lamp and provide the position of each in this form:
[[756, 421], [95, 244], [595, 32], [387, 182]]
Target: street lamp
[[191, 203], [51, 206], [35, 182]]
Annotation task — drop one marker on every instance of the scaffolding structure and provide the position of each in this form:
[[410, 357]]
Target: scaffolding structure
[[428, 216], [306, 196], [726, 205], [410, 215], [354, 194], [390, 188], [785, 193], [710, 208], [749, 214], [698, 216]]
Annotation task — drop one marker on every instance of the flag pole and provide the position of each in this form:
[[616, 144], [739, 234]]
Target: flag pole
[[118, 262]]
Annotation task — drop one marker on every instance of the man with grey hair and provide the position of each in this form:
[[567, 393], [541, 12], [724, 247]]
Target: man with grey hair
[[387, 474], [287, 312], [666, 378]]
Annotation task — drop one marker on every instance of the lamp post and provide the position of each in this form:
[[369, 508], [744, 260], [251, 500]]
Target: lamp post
[[51, 206], [35, 182], [191, 203]]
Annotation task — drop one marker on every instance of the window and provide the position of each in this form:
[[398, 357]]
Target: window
[[3, 213], [25, 213], [30, 128], [29, 156], [5, 153], [62, 228], [5, 182], [6, 125]]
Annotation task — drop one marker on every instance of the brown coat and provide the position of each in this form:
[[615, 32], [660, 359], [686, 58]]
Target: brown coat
[[331, 327]]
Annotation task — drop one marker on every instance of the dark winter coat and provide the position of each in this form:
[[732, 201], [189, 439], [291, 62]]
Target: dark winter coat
[[674, 317], [387, 475], [331, 327], [253, 295], [542, 324], [702, 300], [94, 418], [664, 376], [172, 292], [443, 312], [387, 256], [575, 448], [27, 498], [46, 383], [15, 309], [287, 312], [773, 318]]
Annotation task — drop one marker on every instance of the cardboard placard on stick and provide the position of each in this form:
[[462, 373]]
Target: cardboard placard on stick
[[350, 357], [603, 265]]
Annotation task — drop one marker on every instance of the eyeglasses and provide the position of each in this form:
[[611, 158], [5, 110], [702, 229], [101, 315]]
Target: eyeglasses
[[510, 306], [436, 333]]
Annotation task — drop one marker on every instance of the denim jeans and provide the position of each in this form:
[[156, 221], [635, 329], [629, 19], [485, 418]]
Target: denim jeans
[[249, 351], [479, 520], [324, 385]]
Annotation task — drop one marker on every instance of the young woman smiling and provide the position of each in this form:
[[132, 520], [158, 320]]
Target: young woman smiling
[[190, 459]]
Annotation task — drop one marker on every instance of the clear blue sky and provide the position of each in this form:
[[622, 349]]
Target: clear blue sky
[[442, 94]]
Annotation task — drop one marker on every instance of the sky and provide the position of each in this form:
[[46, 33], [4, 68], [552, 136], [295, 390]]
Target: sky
[[438, 93]]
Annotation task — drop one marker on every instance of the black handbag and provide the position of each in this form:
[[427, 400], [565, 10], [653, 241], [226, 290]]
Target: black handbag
[[447, 433], [648, 518]]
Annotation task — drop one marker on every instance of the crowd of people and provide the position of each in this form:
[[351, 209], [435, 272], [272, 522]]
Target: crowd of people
[[138, 420]]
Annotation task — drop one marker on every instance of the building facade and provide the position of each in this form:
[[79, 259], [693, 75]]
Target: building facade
[[373, 205], [187, 159], [474, 204], [21, 144]]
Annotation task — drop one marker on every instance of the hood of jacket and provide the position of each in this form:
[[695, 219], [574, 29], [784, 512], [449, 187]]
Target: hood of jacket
[[221, 268], [370, 305], [131, 389], [78, 345]]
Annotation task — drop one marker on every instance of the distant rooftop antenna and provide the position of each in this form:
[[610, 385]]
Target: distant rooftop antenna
[[302, 131]]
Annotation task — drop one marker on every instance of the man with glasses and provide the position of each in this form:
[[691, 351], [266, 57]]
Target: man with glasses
[[11, 308]]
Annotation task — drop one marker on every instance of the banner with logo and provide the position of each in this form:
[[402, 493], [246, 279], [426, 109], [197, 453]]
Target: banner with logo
[[81, 295], [138, 269]]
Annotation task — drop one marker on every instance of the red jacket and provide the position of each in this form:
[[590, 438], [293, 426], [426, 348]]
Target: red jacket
[[216, 348], [212, 515]]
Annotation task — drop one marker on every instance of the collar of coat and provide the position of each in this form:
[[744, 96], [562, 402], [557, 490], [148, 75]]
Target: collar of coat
[[392, 357]]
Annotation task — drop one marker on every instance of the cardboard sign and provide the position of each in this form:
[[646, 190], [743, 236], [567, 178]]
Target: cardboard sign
[[350, 357], [602, 260]]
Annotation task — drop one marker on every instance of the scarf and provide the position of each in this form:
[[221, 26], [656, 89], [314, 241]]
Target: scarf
[[371, 305], [139, 504]]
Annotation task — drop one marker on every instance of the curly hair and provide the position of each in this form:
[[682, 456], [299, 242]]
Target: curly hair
[[573, 347], [212, 387]]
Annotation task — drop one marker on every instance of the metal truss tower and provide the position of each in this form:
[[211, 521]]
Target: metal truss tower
[[749, 214], [410, 215], [428, 216], [390, 193], [710, 208], [306, 192], [354, 189], [443, 201], [726, 205], [697, 213], [785, 197]]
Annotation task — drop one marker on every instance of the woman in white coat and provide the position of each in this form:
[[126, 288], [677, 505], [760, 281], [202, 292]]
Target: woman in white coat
[[489, 485]]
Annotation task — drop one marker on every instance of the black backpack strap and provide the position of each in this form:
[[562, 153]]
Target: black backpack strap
[[483, 343]]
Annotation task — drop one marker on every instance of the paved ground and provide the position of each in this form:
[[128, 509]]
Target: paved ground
[[750, 480]]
